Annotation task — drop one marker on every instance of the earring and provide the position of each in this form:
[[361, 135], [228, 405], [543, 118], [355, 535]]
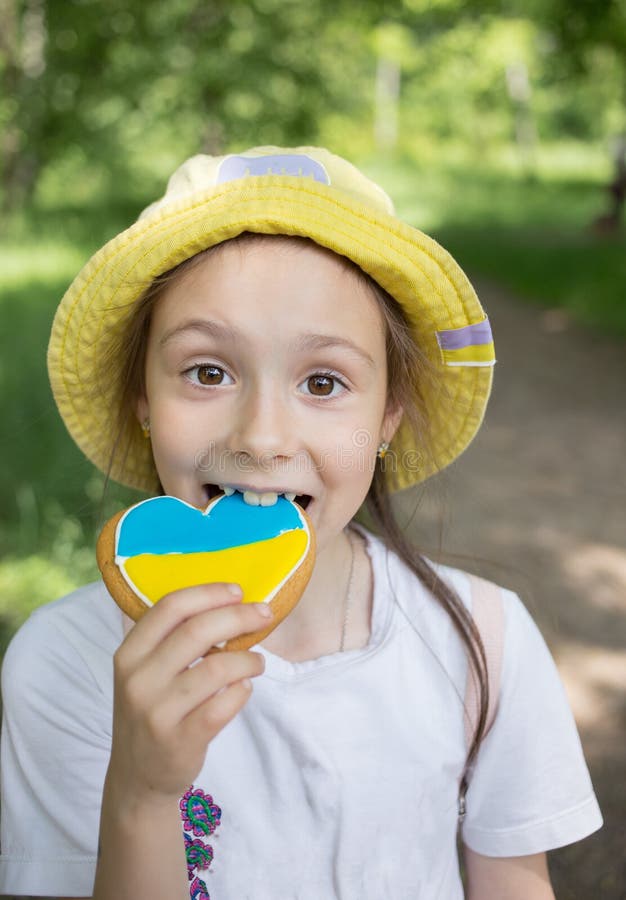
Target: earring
[[145, 428], [382, 449]]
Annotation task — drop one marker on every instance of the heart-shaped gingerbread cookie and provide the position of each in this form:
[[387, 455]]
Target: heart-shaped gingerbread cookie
[[163, 544]]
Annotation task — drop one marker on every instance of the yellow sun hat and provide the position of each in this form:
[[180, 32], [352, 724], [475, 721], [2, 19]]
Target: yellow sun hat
[[304, 191]]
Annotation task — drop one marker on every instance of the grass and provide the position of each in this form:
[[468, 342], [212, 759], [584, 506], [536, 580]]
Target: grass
[[550, 267], [51, 496], [530, 235]]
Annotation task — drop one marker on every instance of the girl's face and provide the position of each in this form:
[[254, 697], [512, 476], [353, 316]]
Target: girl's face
[[266, 371]]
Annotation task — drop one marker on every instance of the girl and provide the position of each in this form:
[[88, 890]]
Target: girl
[[269, 326]]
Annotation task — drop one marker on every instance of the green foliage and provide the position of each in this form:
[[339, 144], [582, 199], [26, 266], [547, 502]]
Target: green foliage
[[98, 95], [193, 76], [26, 583]]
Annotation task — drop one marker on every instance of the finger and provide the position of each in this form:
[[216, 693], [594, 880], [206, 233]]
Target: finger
[[207, 678], [162, 618], [195, 637], [207, 720]]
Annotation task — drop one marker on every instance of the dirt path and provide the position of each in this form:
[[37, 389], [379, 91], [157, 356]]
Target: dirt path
[[540, 496]]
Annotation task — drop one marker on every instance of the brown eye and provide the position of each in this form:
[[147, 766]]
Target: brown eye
[[321, 385], [209, 375]]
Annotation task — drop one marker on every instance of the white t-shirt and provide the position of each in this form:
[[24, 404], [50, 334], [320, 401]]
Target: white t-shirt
[[338, 779]]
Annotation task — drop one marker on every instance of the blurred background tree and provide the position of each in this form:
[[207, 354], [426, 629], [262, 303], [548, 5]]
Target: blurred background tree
[[121, 89], [102, 94]]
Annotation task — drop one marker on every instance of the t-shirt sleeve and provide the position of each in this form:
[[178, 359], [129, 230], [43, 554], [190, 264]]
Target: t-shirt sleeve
[[530, 790], [56, 738]]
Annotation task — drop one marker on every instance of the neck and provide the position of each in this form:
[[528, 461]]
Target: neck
[[313, 627]]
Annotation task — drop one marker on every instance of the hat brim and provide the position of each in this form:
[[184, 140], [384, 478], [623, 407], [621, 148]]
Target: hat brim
[[432, 289]]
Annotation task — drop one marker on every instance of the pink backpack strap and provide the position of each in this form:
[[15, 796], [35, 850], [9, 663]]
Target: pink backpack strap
[[488, 614]]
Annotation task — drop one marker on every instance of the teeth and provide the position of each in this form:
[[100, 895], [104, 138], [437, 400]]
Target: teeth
[[269, 498], [252, 499]]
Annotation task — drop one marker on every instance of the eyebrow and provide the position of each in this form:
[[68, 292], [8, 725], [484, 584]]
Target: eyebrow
[[305, 342]]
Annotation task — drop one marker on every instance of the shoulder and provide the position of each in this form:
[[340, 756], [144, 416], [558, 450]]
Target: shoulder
[[401, 575], [403, 580], [494, 604], [412, 603], [75, 635], [57, 692], [499, 613], [509, 633]]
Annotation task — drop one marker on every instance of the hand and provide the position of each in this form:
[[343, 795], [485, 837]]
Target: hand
[[166, 711]]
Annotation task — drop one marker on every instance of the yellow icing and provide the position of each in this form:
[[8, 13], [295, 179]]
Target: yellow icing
[[259, 568]]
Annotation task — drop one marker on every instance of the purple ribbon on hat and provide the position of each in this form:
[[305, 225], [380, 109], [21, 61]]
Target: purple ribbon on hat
[[468, 336], [299, 164]]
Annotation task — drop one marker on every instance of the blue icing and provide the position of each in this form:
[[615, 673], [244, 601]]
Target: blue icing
[[168, 525]]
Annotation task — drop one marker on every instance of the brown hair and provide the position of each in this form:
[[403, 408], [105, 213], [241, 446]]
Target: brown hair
[[407, 371]]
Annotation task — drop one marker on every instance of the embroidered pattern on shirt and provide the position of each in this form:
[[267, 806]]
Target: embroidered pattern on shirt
[[200, 817]]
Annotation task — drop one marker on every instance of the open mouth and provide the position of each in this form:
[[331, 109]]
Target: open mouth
[[252, 499]]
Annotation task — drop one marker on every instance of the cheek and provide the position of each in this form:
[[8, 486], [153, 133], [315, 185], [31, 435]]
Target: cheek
[[176, 439], [169, 448], [350, 452], [364, 428]]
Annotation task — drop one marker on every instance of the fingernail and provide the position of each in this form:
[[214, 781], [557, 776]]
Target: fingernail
[[264, 610], [235, 590]]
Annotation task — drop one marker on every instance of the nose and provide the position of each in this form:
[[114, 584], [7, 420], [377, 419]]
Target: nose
[[262, 427]]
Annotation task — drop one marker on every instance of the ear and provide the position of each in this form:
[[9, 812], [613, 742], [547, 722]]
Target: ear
[[391, 422]]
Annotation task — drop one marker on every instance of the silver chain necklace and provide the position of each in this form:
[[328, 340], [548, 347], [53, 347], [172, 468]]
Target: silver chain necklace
[[348, 596]]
